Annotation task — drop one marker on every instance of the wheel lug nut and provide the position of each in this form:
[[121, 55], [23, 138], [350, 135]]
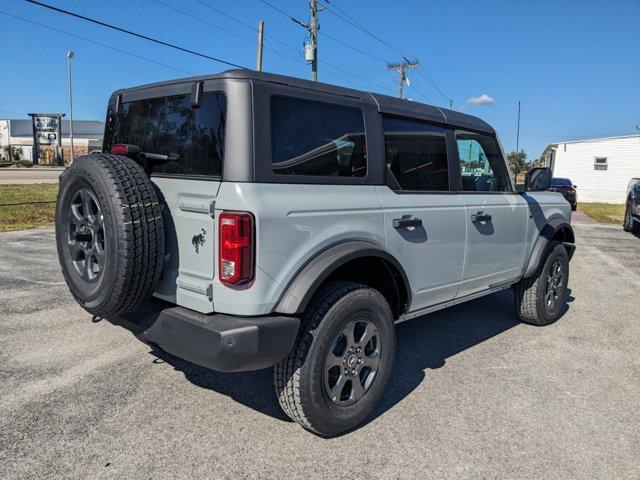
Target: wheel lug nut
[[353, 372], [359, 360]]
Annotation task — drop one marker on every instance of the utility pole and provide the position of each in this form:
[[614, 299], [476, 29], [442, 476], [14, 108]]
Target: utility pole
[[311, 48], [401, 68], [260, 45], [518, 132], [70, 55]]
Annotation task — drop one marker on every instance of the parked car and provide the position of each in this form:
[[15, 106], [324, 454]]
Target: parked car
[[567, 189], [293, 224], [632, 207]]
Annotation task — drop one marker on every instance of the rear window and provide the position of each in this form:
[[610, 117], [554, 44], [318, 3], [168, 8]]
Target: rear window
[[416, 153], [317, 139], [561, 182], [169, 125]]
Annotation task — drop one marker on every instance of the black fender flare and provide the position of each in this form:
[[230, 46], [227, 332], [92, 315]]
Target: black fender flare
[[307, 280], [547, 233]]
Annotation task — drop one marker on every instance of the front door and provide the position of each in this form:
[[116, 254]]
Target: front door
[[495, 215], [424, 221]]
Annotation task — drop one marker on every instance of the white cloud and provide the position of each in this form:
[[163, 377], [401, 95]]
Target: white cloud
[[483, 99]]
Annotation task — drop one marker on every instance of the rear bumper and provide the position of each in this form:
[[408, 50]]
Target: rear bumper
[[222, 342]]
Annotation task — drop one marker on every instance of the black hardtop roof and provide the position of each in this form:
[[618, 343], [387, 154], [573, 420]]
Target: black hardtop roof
[[385, 103]]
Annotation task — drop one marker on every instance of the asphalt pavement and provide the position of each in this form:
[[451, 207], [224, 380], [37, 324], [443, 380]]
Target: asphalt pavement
[[30, 175], [474, 393]]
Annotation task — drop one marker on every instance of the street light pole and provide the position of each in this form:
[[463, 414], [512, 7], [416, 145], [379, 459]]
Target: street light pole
[[70, 55]]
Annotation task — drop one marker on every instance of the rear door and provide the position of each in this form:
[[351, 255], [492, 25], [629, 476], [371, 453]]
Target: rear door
[[424, 220], [186, 122], [496, 217]]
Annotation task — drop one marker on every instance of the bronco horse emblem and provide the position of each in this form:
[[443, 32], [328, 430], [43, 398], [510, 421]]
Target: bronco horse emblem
[[198, 240]]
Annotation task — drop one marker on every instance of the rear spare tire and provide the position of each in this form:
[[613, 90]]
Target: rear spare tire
[[109, 233]]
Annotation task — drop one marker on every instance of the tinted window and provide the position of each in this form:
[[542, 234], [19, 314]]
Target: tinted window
[[315, 138], [169, 125], [561, 182], [481, 163], [416, 154]]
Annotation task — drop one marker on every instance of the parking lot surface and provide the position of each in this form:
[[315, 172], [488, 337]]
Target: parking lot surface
[[474, 393]]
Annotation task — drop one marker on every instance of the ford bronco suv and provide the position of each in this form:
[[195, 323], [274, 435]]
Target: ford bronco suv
[[280, 222]]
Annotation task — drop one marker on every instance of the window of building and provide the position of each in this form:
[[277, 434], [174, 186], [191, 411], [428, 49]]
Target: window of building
[[192, 137], [317, 138], [416, 154], [481, 163], [600, 163]]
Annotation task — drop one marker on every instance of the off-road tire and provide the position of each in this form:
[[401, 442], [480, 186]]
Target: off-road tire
[[133, 232], [299, 380], [530, 292], [630, 224]]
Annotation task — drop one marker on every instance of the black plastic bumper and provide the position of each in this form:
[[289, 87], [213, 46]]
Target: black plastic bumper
[[222, 342]]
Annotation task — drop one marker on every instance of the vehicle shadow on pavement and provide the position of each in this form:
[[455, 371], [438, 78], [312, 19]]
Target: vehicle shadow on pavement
[[421, 344]]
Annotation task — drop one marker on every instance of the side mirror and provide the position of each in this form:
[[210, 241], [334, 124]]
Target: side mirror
[[537, 179]]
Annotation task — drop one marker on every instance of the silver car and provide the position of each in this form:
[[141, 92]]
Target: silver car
[[272, 221]]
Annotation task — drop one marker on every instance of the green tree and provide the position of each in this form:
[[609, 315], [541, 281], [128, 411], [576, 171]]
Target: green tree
[[518, 163]]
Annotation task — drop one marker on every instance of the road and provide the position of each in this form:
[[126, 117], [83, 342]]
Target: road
[[474, 394], [30, 175]]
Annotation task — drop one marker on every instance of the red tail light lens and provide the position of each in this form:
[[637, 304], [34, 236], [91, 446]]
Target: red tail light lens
[[119, 149], [235, 247]]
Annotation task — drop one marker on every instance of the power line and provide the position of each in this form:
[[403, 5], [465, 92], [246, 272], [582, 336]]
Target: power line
[[11, 113], [267, 37], [331, 7], [245, 24], [277, 9], [139, 35], [352, 47], [187, 14], [97, 43], [290, 17], [421, 94]]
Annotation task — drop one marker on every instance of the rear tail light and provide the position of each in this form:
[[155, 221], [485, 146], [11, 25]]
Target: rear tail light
[[235, 247], [125, 149]]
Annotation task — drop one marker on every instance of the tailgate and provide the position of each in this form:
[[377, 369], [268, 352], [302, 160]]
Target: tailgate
[[189, 266]]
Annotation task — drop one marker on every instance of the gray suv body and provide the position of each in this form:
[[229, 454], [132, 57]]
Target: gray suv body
[[296, 222]]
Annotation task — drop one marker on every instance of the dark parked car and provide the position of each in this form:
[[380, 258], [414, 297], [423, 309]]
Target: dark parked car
[[632, 210], [567, 189]]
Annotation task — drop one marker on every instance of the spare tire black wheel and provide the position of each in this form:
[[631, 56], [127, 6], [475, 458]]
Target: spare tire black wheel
[[109, 233]]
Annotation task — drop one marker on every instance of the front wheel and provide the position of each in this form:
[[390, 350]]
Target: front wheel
[[341, 361], [540, 299], [630, 225]]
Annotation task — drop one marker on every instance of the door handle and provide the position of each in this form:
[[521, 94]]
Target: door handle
[[407, 222], [480, 217]]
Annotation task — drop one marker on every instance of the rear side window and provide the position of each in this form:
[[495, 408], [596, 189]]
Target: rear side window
[[169, 125], [317, 139], [481, 164], [416, 154]]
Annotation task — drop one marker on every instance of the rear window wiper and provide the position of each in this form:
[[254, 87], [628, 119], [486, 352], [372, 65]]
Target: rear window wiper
[[135, 152]]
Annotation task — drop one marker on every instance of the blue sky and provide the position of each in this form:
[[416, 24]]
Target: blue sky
[[574, 65]]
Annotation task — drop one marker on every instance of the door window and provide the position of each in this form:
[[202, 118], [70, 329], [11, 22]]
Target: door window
[[481, 163], [317, 138], [416, 154]]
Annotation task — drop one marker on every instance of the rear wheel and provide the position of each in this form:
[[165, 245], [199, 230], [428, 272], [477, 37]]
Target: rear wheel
[[630, 224], [339, 366], [540, 299]]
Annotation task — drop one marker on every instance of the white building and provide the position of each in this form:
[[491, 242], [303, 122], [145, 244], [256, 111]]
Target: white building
[[601, 167], [87, 136]]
